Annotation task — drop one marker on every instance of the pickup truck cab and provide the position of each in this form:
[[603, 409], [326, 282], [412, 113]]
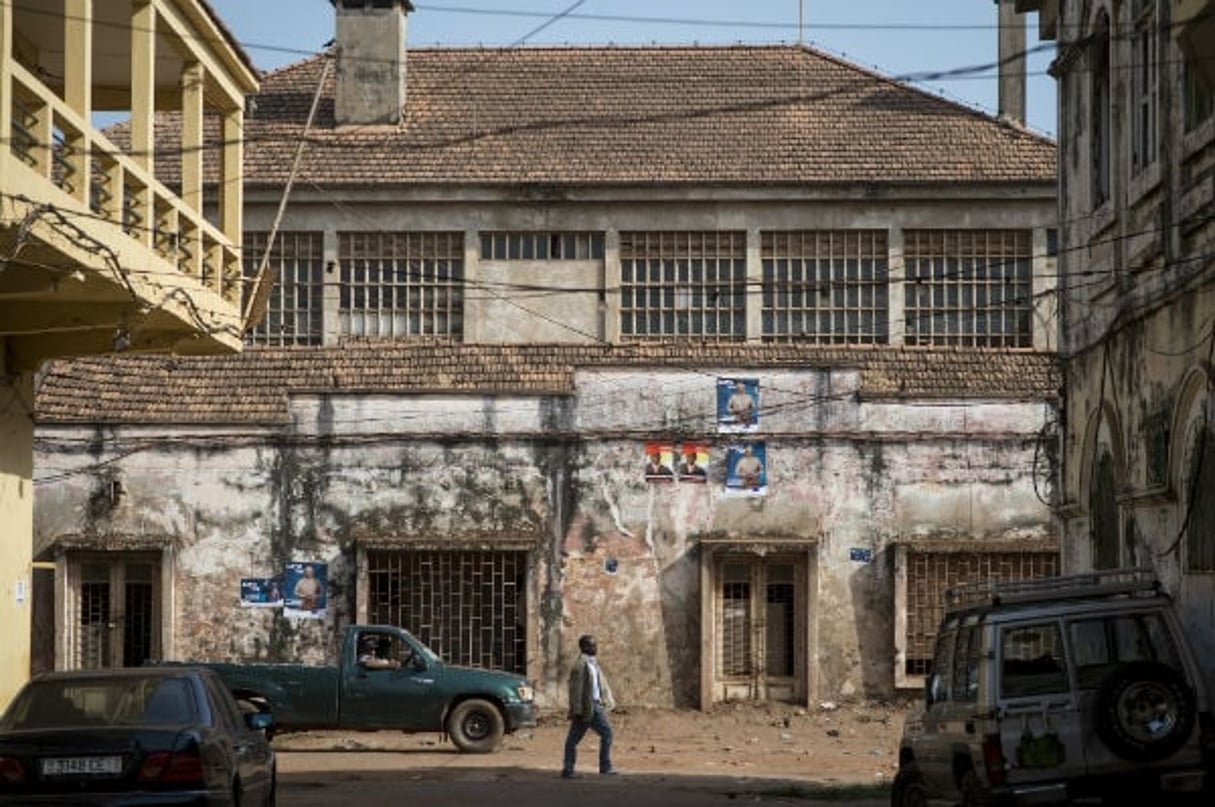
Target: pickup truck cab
[[387, 679]]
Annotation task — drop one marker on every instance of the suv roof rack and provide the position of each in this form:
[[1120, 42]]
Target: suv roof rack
[[1089, 585]]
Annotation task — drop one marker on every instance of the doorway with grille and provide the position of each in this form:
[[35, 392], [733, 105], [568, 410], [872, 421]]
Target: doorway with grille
[[469, 606], [760, 617], [117, 604]]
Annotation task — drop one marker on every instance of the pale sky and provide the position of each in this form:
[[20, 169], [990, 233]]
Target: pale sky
[[906, 39]]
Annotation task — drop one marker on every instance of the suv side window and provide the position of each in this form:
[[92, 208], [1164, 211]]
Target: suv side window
[[966, 665], [1099, 645], [1032, 661], [942, 668]]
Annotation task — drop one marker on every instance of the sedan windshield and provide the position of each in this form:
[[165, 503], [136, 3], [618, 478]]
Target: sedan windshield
[[63, 703]]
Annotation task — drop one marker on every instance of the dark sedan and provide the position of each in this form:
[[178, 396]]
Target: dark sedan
[[140, 736]]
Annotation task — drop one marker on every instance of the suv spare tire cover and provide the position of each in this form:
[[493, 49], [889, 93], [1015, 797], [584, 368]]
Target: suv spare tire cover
[[1144, 711]]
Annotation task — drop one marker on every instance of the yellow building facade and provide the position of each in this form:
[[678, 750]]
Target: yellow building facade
[[97, 255]]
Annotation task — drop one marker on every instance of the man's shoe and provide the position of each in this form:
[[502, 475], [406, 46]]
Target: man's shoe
[[610, 772], [570, 775]]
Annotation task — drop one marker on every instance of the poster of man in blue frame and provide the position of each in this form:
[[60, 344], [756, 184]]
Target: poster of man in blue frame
[[737, 405], [307, 587], [747, 469]]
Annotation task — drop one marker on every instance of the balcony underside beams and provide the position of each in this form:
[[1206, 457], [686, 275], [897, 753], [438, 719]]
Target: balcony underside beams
[[74, 284]]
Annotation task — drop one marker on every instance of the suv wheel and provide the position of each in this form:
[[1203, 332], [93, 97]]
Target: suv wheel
[[908, 789], [973, 794], [1144, 711]]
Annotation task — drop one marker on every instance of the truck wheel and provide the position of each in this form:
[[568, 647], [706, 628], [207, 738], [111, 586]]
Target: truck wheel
[[475, 726], [1145, 711]]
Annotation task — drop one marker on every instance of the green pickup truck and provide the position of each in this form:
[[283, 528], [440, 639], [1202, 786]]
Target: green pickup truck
[[387, 679]]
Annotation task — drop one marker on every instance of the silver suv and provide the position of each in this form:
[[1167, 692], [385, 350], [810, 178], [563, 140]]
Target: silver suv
[[1048, 690]]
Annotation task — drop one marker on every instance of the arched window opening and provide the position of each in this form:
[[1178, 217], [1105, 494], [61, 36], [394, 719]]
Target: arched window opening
[[1103, 509], [1200, 496]]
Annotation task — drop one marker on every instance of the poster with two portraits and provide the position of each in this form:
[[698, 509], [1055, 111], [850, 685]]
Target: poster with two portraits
[[737, 413]]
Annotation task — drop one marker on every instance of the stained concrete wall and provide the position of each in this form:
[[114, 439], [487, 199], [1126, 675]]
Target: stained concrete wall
[[561, 475], [1147, 412], [1138, 294]]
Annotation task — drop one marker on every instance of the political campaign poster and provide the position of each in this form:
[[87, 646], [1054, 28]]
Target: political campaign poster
[[306, 589], [261, 592], [737, 405], [747, 469]]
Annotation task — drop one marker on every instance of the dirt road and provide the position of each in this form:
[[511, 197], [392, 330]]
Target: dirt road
[[763, 752]]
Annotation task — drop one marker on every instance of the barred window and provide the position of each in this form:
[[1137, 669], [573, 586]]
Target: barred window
[[1144, 79], [1100, 106], [825, 286], [1199, 96], [402, 284], [296, 265], [541, 246], [968, 287], [930, 574], [469, 606], [689, 284]]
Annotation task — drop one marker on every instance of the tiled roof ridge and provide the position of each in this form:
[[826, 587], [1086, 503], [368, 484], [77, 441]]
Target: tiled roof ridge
[[841, 60], [255, 387]]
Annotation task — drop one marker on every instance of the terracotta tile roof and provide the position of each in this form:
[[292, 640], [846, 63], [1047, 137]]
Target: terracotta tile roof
[[617, 115], [253, 387]]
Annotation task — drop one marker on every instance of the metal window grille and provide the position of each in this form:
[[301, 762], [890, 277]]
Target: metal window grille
[[402, 284], [138, 614], [468, 606], [93, 648], [779, 643], [689, 284], [825, 286], [541, 246], [735, 628], [971, 288], [293, 316], [23, 140], [930, 574]]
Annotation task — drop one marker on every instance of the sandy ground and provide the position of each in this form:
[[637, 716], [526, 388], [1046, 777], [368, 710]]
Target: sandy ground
[[848, 743]]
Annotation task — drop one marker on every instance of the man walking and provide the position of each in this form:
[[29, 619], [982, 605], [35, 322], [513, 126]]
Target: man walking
[[590, 701]]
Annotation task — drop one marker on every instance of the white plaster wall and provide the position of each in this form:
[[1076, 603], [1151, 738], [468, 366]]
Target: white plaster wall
[[371, 414]]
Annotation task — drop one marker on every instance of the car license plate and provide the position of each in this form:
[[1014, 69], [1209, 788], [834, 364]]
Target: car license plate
[[82, 766]]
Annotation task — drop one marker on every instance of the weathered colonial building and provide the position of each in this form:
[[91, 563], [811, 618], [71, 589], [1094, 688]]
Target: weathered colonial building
[[506, 282], [1137, 295], [79, 269]]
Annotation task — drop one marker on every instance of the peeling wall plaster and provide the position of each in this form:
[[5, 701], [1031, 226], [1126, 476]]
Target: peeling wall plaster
[[563, 476]]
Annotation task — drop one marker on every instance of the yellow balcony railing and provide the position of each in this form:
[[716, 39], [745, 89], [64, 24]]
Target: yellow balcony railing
[[55, 142]]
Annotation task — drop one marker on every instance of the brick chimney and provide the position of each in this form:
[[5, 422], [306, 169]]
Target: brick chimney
[[370, 42], [1011, 97]]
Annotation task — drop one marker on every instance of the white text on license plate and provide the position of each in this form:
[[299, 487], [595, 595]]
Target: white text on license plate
[[81, 766]]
